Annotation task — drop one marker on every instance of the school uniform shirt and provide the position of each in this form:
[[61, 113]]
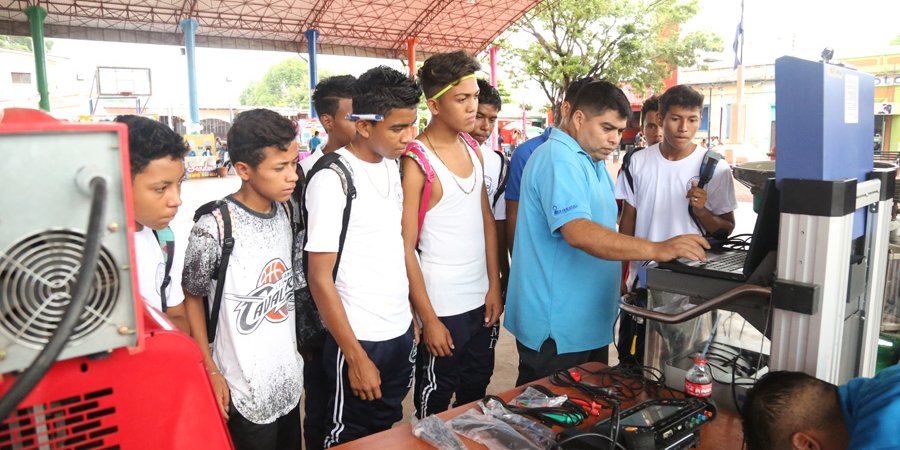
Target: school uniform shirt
[[660, 194], [870, 407], [151, 265], [492, 168], [307, 163], [371, 278], [255, 346]]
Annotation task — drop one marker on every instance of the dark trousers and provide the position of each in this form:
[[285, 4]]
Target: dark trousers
[[466, 373], [352, 418], [315, 411], [282, 434], [536, 365]]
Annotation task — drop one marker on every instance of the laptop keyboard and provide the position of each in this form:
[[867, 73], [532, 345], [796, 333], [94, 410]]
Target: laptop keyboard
[[730, 262]]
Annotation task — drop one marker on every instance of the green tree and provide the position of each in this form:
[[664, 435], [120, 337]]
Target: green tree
[[22, 43], [633, 41], [895, 41], [285, 84]]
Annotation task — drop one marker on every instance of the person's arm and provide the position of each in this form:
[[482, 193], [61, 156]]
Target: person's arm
[[493, 305], [626, 227], [365, 379], [512, 209], [502, 257], [601, 242], [437, 337], [196, 316], [178, 315]]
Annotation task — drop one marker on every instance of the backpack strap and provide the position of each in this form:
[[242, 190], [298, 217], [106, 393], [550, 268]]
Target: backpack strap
[[212, 318], [626, 168], [415, 151], [341, 166], [504, 176], [169, 248]]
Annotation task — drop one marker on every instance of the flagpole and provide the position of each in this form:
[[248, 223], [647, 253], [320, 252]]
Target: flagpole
[[737, 110]]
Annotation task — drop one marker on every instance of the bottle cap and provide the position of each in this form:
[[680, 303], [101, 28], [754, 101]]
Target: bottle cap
[[699, 360]]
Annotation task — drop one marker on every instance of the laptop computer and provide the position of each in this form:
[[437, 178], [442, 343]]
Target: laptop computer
[[738, 265]]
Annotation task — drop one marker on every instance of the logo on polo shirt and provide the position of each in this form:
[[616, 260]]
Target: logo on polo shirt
[[269, 301], [557, 210]]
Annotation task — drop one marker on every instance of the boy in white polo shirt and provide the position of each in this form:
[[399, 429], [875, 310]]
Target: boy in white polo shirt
[[370, 351]]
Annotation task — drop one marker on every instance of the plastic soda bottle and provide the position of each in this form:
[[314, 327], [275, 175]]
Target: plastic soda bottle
[[698, 380]]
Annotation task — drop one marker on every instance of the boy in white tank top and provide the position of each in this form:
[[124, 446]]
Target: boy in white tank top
[[452, 260]]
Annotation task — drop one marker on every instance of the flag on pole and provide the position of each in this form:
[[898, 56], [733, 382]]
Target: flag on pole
[[739, 39]]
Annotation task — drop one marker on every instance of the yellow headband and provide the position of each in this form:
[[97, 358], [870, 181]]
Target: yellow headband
[[450, 86]]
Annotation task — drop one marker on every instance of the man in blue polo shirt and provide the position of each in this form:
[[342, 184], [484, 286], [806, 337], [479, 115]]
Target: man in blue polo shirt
[[524, 151], [793, 410], [564, 283]]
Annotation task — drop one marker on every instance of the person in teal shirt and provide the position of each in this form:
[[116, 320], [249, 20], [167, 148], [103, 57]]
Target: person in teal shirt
[[793, 410], [564, 283]]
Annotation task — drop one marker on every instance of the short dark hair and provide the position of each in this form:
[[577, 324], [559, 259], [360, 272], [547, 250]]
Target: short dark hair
[[600, 96], [575, 86], [783, 403], [330, 91], [382, 89], [149, 140], [488, 95], [681, 95], [442, 69], [256, 129], [650, 105]]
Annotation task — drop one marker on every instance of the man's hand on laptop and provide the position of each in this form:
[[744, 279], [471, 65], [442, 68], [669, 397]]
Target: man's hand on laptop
[[690, 246]]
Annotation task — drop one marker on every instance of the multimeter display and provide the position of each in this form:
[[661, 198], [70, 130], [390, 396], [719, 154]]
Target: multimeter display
[[648, 416]]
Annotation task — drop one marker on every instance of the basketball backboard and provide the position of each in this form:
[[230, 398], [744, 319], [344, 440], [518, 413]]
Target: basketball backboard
[[123, 81]]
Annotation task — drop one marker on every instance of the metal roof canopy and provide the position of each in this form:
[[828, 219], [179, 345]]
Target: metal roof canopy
[[372, 28]]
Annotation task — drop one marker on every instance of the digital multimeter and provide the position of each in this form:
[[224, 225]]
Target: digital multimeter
[[658, 424]]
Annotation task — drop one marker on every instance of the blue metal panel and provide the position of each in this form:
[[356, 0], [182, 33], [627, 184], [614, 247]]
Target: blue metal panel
[[824, 123]]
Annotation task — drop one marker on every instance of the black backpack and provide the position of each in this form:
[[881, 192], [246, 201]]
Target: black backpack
[[707, 170], [501, 183], [169, 248]]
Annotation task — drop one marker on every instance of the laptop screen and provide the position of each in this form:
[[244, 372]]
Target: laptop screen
[[765, 233]]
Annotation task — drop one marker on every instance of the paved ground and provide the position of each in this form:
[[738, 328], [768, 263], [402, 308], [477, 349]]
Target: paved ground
[[195, 192]]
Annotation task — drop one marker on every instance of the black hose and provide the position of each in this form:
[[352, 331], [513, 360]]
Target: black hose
[[35, 372]]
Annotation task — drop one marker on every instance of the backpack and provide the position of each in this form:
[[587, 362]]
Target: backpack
[[167, 245], [415, 151], [707, 170], [310, 330]]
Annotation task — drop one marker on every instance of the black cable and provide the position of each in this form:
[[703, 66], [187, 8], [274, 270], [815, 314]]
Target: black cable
[[32, 376], [584, 435]]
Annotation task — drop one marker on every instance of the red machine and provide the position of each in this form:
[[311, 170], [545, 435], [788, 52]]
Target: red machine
[[126, 378]]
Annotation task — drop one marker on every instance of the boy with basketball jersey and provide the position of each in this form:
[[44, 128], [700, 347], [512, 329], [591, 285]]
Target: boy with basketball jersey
[[253, 362]]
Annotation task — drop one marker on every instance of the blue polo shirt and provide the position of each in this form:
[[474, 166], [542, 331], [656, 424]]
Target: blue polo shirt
[[555, 290], [517, 163], [871, 409]]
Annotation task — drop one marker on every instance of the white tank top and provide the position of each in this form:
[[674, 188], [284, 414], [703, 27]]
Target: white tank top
[[451, 245]]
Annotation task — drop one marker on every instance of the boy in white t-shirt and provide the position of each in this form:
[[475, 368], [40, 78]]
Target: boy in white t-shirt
[[253, 362], [370, 351], [496, 168], [156, 154]]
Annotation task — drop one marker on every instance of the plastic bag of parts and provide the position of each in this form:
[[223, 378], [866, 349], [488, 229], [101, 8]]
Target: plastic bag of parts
[[489, 431], [533, 398], [535, 432], [434, 431]]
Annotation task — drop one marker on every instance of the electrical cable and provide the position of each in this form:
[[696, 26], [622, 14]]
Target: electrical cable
[[36, 371], [584, 435]]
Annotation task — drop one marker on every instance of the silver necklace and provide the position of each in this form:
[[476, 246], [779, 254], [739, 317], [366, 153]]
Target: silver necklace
[[453, 175]]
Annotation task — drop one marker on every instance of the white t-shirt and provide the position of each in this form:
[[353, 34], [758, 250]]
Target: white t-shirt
[[371, 277], [492, 168], [151, 265], [307, 163], [256, 345], [660, 194]]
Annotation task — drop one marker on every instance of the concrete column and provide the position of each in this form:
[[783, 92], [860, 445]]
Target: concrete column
[[411, 56], [493, 55]]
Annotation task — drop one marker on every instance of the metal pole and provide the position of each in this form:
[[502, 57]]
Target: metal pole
[[312, 36], [36, 16], [189, 26], [495, 145], [411, 56], [709, 121]]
